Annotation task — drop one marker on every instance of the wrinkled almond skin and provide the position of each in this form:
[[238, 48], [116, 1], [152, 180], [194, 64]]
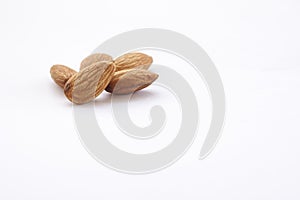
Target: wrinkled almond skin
[[129, 81], [87, 84], [97, 57], [133, 60], [61, 74]]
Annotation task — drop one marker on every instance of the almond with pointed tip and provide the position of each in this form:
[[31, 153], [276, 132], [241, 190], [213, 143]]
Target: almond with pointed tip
[[61, 74], [129, 81], [87, 84], [133, 60], [97, 57]]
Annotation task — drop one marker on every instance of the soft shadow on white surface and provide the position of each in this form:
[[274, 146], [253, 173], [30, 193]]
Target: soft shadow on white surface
[[58, 93], [105, 98]]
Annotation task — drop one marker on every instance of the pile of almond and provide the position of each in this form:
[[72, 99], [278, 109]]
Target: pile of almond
[[124, 75]]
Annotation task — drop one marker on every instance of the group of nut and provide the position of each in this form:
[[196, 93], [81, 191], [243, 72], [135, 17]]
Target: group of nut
[[124, 75]]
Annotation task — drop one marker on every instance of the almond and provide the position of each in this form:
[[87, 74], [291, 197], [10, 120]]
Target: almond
[[133, 60], [97, 57], [61, 74], [129, 81], [87, 84]]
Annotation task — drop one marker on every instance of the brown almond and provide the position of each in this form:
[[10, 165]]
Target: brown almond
[[129, 81], [87, 84], [61, 74], [97, 57], [133, 60]]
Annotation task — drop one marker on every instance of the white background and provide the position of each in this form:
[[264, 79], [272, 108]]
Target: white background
[[255, 46]]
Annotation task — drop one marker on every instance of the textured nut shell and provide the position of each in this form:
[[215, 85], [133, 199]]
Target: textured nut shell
[[133, 60], [87, 84], [97, 57], [129, 81], [61, 74]]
